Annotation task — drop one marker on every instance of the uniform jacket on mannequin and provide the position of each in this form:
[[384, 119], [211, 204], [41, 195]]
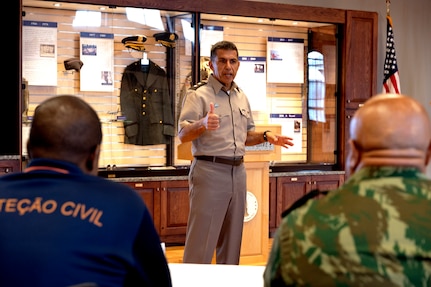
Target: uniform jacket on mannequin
[[146, 104]]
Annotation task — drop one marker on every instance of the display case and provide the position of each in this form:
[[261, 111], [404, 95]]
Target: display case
[[286, 82], [305, 69]]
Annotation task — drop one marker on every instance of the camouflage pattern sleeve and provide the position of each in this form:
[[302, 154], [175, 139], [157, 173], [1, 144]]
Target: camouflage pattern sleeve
[[373, 231]]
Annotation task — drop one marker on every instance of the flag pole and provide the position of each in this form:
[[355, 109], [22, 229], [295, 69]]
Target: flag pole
[[388, 9], [391, 81]]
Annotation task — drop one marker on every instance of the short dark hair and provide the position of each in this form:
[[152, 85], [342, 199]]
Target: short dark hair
[[222, 45], [64, 127]]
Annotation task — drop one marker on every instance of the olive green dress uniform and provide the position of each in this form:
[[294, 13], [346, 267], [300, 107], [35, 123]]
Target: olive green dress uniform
[[146, 104], [375, 230], [217, 190]]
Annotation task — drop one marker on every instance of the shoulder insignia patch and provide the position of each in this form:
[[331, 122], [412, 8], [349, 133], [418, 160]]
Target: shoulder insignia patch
[[303, 200], [198, 85]]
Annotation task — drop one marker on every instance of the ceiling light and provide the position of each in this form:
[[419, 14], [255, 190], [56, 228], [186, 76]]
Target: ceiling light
[[87, 19], [148, 17]]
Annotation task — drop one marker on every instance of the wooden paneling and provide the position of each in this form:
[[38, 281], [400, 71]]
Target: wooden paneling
[[359, 70], [361, 59]]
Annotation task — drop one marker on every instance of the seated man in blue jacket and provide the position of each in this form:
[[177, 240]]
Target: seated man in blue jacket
[[61, 224]]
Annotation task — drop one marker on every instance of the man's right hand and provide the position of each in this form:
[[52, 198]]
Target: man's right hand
[[211, 120]]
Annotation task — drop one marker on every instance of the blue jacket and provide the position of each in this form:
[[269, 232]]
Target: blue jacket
[[60, 227]]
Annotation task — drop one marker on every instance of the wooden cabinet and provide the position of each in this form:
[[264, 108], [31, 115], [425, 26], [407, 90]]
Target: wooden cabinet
[[358, 72], [168, 200], [8, 166], [150, 193], [361, 33], [290, 188], [174, 210], [168, 203], [348, 115], [272, 205]]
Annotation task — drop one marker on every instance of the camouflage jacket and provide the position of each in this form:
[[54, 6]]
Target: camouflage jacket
[[375, 230]]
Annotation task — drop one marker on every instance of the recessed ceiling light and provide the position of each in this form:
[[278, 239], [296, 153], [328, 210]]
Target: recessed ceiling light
[[57, 4]]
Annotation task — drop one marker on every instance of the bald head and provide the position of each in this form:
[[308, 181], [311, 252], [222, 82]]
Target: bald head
[[390, 129], [66, 128]]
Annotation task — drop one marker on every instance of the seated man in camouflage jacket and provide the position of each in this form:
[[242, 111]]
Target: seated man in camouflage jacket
[[375, 230]]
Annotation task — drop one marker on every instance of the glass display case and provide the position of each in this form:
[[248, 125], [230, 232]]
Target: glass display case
[[289, 71]]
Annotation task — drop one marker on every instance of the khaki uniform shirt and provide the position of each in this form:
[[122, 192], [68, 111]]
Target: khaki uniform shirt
[[235, 118]]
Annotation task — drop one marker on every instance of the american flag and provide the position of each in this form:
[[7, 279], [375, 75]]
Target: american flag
[[391, 81]]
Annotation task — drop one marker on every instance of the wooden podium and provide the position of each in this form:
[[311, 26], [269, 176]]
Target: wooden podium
[[255, 236]]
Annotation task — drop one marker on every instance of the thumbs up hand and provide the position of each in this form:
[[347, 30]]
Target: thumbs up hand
[[211, 120]]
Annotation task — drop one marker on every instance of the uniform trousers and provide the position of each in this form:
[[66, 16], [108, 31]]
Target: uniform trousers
[[217, 198]]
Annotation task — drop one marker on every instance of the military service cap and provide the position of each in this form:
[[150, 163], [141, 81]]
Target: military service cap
[[135, 42], [167, 39]]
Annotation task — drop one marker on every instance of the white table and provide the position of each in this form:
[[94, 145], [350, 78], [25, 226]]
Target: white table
[[215, 275]]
